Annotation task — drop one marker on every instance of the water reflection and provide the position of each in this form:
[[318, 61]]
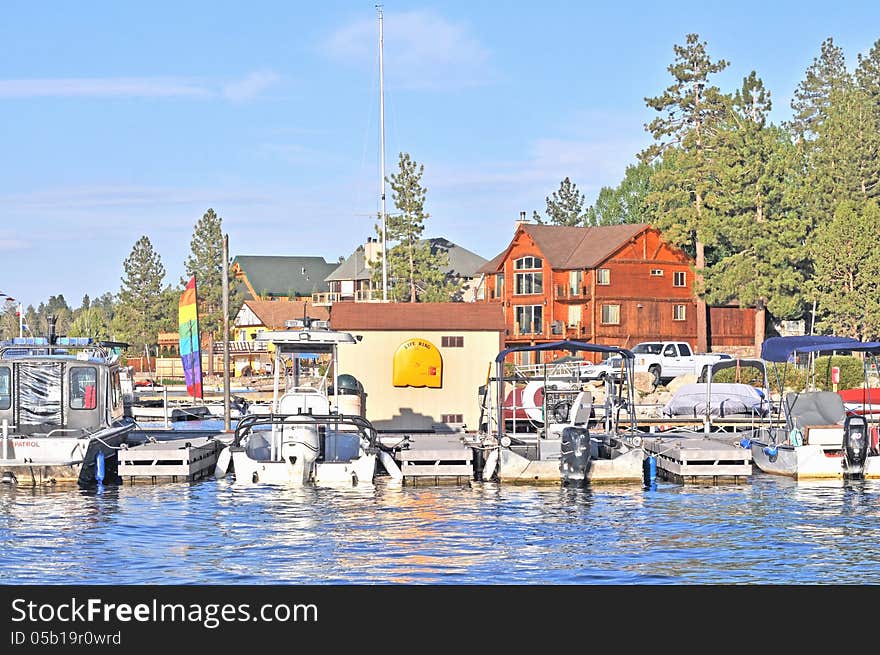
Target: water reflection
[[768, 530]]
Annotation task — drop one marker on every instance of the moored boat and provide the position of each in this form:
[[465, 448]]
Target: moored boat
[[62, 410], [816, 436], [571, 446], [304, 436]]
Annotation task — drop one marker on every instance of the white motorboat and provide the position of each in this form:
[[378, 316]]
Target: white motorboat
[[305, 435], [62, 412]]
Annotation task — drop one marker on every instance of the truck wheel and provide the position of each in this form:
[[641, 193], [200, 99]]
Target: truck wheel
[[655, 371]]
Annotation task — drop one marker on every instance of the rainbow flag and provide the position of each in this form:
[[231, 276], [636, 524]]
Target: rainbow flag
[[190, 354]]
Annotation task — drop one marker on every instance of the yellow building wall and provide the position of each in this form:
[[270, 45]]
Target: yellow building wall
[[371, 362]]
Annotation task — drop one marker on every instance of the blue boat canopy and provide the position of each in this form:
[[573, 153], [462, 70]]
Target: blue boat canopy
[[780, 349], [569, 345]]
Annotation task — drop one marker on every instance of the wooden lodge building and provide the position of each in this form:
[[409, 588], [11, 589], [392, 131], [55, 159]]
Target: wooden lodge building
[[611, 285]]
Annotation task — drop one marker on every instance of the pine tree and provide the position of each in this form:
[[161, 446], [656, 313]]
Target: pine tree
[[139, 312], [844, 162], [565, 206], [759, 231], [205, 261], [846, 270], [415, 272], [826, 74], [625, 203], [868, 73], [692, 110]]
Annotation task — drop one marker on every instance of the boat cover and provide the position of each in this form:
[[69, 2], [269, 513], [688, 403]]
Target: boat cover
[[814, 408], [727, 399]]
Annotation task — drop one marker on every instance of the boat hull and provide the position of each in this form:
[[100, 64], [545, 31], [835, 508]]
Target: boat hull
[[622, 467], [808, 462], [50, 460]]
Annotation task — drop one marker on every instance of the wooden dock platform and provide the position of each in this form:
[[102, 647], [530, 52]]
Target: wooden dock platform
[[695, 458], [436, 459], [184, 460]]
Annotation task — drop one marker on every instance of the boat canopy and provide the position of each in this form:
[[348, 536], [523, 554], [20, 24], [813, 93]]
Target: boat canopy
[[569, 345], [780, 349]]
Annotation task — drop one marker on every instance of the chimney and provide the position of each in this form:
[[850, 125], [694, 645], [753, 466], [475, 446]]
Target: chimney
[[372, 250], [522, 220]]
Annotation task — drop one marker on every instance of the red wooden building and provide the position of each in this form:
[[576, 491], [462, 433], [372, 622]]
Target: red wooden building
[[612, 285]]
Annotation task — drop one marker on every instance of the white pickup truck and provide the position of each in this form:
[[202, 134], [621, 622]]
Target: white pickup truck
[[666, 360]]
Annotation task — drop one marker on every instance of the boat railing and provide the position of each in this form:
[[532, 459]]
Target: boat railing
[[251, 422]]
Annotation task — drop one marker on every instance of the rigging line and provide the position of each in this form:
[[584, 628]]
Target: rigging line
[[359, 193]]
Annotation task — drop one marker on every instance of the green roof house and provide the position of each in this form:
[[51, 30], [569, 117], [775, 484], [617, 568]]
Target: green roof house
[[268, 277]]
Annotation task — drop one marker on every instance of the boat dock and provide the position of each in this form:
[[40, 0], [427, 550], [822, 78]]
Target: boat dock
[[694, 458], [183, 459], [438, 458]]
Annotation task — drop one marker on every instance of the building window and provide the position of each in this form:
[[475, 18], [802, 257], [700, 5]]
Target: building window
[[679, 312], [451, 418], [83, 387], [528, 283], [499, 285], [611, 314], [527, 263], [452, 342], [603, 276], [529, 319], [575, 282], [679, 279], [574, 315], [656, 272]]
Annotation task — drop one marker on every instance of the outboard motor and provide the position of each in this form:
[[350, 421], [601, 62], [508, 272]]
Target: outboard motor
[[855, 443], [574, 453]]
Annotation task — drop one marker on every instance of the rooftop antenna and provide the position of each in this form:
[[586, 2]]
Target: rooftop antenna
[[382, 157]]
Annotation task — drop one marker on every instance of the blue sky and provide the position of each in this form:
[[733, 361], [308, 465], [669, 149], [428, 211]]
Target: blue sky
[[122, 119]]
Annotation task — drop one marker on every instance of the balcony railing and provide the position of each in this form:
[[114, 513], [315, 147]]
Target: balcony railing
[[239, 347], [564, 291], [328, 298]]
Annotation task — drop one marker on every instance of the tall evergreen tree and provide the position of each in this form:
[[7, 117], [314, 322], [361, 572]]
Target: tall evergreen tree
[[565, 206], [139, 312], [826, 74], [846, 271], [415, 272], [760, 232], [625, 203], [844, 162], [691, 111], [868, 73], [205, 261]]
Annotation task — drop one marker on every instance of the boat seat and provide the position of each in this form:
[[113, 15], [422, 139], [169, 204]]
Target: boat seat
[[258, 446]]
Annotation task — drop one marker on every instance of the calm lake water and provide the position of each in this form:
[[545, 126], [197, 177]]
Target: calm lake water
[[767, 530]]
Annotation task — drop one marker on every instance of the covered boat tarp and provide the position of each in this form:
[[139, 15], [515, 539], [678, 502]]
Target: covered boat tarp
[[726, 399]]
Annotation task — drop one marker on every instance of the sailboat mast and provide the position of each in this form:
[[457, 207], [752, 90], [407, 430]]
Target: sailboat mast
[[382, 158]]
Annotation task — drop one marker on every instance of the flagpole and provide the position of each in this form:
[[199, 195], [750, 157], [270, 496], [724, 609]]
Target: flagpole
[[196, 354], [226, 421], [20, 321]]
